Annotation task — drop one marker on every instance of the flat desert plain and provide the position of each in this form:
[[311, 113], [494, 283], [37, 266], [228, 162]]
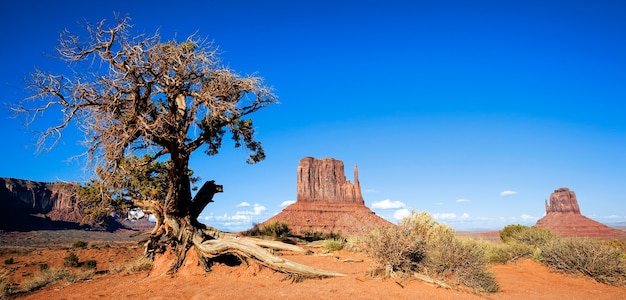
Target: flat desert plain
[[524, 279]]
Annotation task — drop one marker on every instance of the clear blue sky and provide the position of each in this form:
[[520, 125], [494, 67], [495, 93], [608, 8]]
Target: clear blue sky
[[474, 111]]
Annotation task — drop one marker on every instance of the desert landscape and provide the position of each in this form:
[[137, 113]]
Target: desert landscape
[[111, 263], [461, 115], [523, 279]]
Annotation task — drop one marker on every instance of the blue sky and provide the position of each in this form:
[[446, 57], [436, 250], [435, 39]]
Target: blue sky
[[474, 111]]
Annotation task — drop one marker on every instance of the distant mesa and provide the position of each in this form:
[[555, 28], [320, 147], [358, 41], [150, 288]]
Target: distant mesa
[[563, 217], [327, 202], [27, 205]]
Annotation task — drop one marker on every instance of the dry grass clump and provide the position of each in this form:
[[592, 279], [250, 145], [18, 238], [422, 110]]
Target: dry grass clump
[[140, 265], [272, 228], [528, 235], [333, 244], [49, 276], [507, 252], [599, 260], [420, 244], [5, 284]]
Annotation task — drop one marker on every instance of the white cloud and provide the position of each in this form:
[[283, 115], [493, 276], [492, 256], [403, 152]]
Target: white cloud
[[243, 204], [444, 216], [259, 209], [526, 217], [439, 203], [287, 203], [507, 193], [461, 200], [401, 213], [465, 216], [388, 204]]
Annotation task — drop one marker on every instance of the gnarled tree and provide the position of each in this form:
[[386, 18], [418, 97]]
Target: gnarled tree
[[137, 95]]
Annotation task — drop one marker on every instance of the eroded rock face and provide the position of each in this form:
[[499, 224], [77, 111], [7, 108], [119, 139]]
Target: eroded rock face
[[323, 180], [563, 200], [327, 202], [563, 217], [22, 201]]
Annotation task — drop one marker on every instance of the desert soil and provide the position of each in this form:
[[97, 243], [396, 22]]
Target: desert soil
[[525, 279]]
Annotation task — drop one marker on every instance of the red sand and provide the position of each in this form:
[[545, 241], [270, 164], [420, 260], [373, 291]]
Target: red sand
[[525, 279]]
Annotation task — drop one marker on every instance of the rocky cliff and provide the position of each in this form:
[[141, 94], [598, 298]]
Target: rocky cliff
[[563, 217], [327, 202], [323, 180], [27, 205]]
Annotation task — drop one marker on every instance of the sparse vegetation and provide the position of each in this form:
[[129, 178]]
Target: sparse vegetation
[[90, 264], [9, 261], [80, 244], [420, 244], [71, 260], [333, 244], [272, 228], [528, 235], [49, 276], [593, 258], [139, 265]]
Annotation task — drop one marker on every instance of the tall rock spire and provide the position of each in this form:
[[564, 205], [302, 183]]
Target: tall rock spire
[[323, 180]]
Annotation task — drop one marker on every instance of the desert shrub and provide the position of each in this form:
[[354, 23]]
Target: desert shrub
[[71, 260], [9, 261], [142, 264], [421, 244], [5, 284], [90, 264], [507, 252], [333, 244], [42, 279], [460, 261], [272, 228], [394, 251], [79, 244], [593, 258], [533, 236], [506, 234], [43, 267], [49, 276]]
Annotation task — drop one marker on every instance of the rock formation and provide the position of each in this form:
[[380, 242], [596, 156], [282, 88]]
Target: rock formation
[[29, 205], [563, 217], [327, 202], [323, 180], [562, 201]]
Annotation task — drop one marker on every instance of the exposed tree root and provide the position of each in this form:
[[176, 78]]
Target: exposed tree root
[[249, 249]]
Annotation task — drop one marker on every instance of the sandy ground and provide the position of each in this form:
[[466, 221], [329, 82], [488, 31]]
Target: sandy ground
[[525, 279]]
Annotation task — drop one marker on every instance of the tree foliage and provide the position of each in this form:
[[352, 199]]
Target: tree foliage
[[145, 105]]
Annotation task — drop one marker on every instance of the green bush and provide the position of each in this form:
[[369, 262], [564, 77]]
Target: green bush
[[534, 236], [43, 267], [504, 253], [593, 258], [506, 234], [80, 244], [272, 228], [333, 244], [9, 261], [71, 260], [90, 264]]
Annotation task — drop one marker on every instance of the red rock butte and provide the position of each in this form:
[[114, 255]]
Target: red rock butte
[[327, 202], [563, 217]]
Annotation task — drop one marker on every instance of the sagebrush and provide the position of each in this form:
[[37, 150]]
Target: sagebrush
[[421, 244]]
